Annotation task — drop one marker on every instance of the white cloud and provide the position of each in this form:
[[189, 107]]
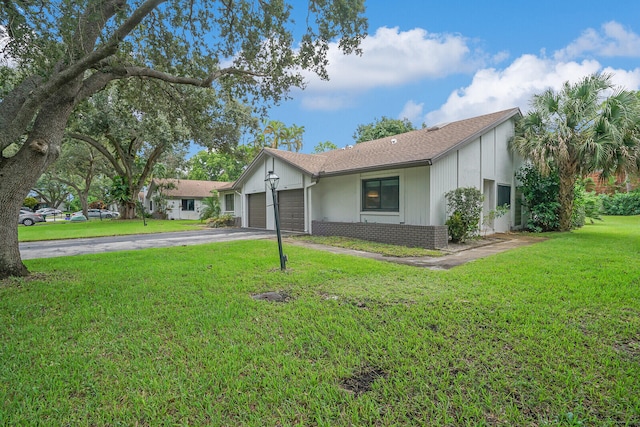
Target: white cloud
[[493, 90], [613, 40], [392, 58], [411, 111]]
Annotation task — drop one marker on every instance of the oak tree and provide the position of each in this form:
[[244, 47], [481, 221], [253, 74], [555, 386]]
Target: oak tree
[[62, 52]]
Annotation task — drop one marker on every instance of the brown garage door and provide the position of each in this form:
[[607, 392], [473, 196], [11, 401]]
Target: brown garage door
[[291, 205], [258, 210]]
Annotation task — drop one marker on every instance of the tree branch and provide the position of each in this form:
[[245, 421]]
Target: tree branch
[[30, 104], [106, 74], [95, 144]]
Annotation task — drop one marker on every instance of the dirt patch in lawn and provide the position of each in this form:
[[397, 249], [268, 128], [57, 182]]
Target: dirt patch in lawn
[[362, 381]]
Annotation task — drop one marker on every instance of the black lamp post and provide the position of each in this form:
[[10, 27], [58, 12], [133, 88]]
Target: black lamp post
[[273, 180]]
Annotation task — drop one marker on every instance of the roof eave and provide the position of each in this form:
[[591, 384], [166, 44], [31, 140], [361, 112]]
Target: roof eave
[[401, 165]]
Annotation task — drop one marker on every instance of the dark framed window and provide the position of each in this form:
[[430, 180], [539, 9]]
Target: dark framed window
[[188, 205], [504, 195], [228, 202], [381, 194]]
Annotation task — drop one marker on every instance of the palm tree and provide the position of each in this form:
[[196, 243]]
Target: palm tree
[[292, 137], [574, 132], [210, 206]]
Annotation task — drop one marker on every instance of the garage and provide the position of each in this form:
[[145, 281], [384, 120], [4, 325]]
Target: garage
[[258, 210], [291, 206]]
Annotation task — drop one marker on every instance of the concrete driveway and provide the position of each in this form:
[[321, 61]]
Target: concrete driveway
[[96, 245]]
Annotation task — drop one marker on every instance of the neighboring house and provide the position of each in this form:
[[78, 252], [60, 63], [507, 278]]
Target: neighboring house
[[388, 190], [180, 198], [619, 183]]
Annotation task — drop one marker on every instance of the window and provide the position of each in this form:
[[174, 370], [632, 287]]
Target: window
[[188, 205], [228, 202], [151, 205], [504, 195], [381, 194]]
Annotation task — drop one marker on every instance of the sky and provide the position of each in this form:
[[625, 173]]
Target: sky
[[435, 62]]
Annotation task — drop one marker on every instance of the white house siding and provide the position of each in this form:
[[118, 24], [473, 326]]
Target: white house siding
[[416, 195], [476, 165], [413, 203], [488, 157], [469, 166], [444, 178], [174, 209], [505, 174], [326, 194]]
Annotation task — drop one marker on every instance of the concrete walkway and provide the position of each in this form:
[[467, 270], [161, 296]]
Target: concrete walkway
[[455, 254]]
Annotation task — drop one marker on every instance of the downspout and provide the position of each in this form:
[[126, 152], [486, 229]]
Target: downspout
[[309, 205], [242, 215]]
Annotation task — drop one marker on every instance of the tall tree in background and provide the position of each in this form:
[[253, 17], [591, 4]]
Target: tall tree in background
[[64, 52], [219, 165], [77, 167], [53, 192], [135, 126], [321, 147], [276, 135], [382, 128], [578, 130]]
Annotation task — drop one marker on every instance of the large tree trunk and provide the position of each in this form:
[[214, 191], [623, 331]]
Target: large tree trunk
[[127, 210], [19, 174], [566, 194]]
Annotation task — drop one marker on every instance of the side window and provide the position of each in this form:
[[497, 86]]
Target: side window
[[228, 202], [504, 195], [381, 194], [188, 205]]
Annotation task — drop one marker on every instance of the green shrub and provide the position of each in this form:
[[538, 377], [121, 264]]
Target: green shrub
[[586, 204], [621, 203], [540, 194], [210, 207], [226, 220], [456, 226], [30, 202], [464, 206]]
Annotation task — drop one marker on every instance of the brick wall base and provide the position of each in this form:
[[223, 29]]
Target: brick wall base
[[421, 236]]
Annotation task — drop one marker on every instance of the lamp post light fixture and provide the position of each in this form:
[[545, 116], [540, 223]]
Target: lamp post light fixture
[[273, 180]]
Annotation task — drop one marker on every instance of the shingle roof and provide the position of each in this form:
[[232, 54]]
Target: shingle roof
[[418, 147], [422, 146], [191, 188]]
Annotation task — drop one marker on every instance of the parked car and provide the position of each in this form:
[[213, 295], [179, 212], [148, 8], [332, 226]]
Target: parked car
[[29, 218], [99, 213], [49, 211]]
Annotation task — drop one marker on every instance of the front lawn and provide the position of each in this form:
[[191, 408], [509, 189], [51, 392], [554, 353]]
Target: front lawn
[[95, 227], [547, 334]]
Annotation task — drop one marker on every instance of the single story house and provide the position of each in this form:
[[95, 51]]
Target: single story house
[[181, 198], [388, 190]]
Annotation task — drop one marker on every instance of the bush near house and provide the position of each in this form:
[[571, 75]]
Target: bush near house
[[464, 206], [226, 220]]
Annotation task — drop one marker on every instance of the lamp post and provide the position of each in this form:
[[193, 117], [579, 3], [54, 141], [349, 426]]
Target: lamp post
[[273, 180]]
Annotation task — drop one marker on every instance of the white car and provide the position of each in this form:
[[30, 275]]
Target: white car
[[99, 213], [49, 211]]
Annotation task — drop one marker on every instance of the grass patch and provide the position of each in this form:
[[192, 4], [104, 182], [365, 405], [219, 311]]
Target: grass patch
[[99, 228], [366, 246], [543, 335]]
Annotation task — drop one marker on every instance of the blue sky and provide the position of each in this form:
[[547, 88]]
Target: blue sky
[[435, 62]]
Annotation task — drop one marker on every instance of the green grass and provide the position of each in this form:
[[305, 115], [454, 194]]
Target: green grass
[[96, 228], [366, 246], [547, 334]]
